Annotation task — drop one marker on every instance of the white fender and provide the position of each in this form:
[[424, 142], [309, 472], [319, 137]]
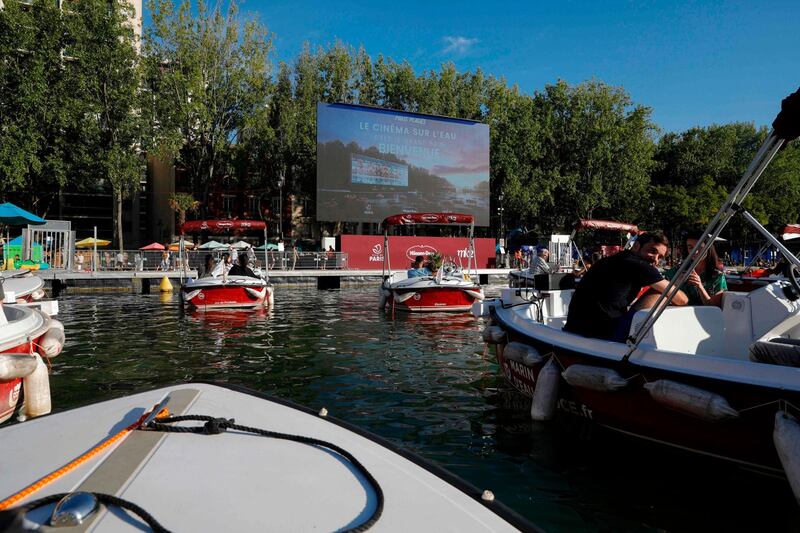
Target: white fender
[[522, 353], [52, 342], [691, 400], [400, 298], [786, 437], [594, 378], [545, 393], [16, 365], [36, 388], [37, 295], [189, 295], [477, 294], [271, 296], [255, 293], [493, 334]]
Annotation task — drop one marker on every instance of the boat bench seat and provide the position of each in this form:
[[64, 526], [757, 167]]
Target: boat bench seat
[[777, 351], [689, 329]]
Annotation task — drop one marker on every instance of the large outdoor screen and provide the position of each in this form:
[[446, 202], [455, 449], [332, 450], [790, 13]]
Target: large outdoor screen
[[373, 163]]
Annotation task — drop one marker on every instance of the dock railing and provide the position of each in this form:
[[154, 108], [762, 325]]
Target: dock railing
[[155, 260]]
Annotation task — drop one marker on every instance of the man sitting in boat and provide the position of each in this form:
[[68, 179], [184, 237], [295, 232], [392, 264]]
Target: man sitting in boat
[[418, 270], [600, 305], [241, 268], [540, 264]]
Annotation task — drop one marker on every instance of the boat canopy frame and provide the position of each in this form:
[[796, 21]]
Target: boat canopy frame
[[605, 225], [785, 128], [431, 219]]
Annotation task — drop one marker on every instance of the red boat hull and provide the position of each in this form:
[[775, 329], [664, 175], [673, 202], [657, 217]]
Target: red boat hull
[[631, 410], [433, 299], [225, 297]]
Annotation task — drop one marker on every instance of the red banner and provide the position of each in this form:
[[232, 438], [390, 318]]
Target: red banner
[[366, 251], [223, 226]]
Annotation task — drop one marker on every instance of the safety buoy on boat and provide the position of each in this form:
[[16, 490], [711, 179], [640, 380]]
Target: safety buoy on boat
[[545, 393], [477, 294], [16, 365], [255, 293], [786, 437], [493, 334], [691, 400], [594, 378], [36, 387], [400, 298], [52, 342], [189, 295], [522, 353], [37, 295]]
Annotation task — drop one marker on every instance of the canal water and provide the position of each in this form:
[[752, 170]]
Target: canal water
[[423, 382]]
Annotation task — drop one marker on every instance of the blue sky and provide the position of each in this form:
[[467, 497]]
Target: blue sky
[[694, 63]]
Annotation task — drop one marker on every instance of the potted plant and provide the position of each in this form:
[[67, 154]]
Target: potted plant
[[436, 262]]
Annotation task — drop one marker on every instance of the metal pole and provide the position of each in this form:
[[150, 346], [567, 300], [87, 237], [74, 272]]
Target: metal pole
[[94, 255], [266, 253], [731, 206]]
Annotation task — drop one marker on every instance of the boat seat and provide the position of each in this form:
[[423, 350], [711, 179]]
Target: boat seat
[[689, 329], [777, 351]]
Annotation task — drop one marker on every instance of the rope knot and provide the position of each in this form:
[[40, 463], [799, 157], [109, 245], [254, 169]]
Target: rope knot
[[215, 426]]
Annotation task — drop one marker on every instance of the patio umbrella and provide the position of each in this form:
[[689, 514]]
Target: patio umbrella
[[153, 246], [187, 245], [16, 216], [90, 242], [210, 245], [268, 246], [240, 245]]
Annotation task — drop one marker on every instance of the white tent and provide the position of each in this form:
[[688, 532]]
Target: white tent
[[241, 245], [210, 245]]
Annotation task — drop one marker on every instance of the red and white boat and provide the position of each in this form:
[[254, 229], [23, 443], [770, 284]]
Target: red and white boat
[[719, 382], [23, 285], [26, 336], [452, 288], [227, 292]]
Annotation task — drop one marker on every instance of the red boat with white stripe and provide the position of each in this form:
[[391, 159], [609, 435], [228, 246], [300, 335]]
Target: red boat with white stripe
[[227, 292], [452, 288], [26, 336]]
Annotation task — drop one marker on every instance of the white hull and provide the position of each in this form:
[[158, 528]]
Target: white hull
[[235, 481]]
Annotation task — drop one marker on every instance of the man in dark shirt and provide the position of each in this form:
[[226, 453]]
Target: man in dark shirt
[[599, 307], [241, 268]]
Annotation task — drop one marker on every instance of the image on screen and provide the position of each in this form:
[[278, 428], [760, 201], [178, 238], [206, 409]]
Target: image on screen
[[370, 171], [373, 163]]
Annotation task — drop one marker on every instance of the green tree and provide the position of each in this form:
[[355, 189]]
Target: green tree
[[107, 81], [39, 110], [209, 74]]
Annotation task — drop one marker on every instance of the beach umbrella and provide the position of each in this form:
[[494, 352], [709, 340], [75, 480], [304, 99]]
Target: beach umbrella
[[16, 216], [90, 242], [268, 246], [153, 246], [210, 245], [240, 245]]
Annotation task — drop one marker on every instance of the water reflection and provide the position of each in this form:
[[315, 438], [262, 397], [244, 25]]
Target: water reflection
[[419, 380]]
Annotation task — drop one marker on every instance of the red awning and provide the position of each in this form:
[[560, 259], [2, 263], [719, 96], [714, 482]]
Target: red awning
[[223, 226], [409, 219], [610, 225], [790, 231]]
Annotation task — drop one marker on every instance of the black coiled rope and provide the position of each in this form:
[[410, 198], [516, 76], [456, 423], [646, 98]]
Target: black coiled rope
[[212, 426]]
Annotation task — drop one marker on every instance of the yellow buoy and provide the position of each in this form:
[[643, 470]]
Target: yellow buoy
[[165, 286]]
